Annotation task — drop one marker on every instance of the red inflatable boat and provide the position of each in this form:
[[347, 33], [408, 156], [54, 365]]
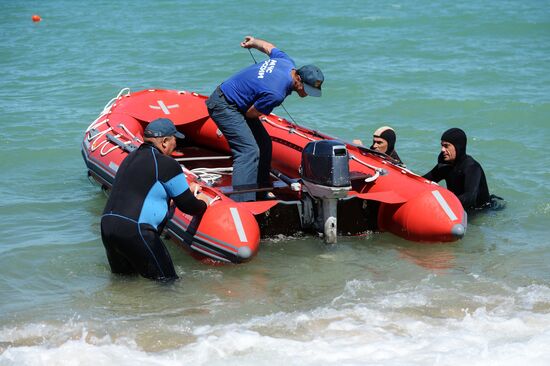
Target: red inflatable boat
[[319, 183]]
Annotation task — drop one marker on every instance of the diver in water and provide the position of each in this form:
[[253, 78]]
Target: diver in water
[[138, 206], [463, 175], [383, 140]]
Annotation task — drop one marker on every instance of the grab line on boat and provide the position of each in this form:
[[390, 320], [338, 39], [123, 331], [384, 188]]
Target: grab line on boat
[[107, 108], [210, 175], [96, 137], [290, 130], [378, 171]]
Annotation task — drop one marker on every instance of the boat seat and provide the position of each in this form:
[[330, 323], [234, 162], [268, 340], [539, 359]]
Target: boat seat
[[180, 158]]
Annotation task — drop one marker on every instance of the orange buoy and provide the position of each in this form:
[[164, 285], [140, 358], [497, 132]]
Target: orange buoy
[[36, 18]]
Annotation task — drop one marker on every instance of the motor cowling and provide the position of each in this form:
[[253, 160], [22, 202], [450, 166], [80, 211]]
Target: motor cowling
[[326, 162], [325, 174]]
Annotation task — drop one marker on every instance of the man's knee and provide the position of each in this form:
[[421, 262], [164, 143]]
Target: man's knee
[[248, 153]]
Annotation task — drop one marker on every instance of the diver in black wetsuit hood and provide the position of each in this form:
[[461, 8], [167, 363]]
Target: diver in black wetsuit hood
[[463, 175], [383, 140]]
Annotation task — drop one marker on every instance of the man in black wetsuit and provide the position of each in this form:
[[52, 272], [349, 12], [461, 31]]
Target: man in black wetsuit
[[138, 206], [463, 175]]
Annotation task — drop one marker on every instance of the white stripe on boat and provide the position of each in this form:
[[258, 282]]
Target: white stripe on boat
[[444, 205], [238, 224]]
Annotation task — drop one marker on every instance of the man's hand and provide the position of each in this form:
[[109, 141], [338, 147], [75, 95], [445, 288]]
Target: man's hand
[[257, 43], [253, 113], [203, 197], [248, 42], [195, 188], [197, 192]]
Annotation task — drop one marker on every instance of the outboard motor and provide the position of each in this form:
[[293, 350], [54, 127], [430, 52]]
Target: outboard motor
[[325, 173]]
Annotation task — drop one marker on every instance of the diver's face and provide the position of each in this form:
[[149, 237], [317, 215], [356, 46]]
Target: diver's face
[[448, 151], [379, 144]]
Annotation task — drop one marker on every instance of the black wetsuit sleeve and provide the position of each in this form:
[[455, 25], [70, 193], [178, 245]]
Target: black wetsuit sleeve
[[434, 174], [396, 157], [187, 203], [472, 177]]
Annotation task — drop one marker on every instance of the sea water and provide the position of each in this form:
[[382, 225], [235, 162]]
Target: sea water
[[418, 66]]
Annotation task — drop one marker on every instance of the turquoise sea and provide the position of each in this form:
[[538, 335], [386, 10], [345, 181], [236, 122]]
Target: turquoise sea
[[419, 66]]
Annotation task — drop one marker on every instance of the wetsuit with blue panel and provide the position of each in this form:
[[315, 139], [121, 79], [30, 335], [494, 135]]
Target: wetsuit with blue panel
[[137, 211], [264, 85]]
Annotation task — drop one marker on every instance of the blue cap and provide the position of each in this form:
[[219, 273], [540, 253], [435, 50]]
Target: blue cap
[[312, 77], [162, 127]]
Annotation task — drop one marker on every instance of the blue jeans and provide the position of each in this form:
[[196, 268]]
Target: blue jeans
[[249, 142]]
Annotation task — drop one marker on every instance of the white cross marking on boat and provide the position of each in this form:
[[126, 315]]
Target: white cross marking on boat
[[165, 108], [238, 224], [444, 205]]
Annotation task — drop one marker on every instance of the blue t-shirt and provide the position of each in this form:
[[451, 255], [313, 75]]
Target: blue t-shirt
[[264, 85]]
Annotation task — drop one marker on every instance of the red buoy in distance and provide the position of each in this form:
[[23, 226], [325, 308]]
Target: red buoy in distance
[[36, 18]]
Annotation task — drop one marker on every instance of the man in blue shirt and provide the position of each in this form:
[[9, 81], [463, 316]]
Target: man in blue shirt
[[238, 102]]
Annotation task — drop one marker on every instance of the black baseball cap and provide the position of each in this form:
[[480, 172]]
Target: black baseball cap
[[312, 77]]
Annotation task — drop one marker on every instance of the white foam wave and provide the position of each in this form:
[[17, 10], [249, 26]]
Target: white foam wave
[[356, 335], [509, 327]]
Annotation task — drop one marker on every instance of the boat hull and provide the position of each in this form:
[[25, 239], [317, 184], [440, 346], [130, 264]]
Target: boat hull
[[382, 196]]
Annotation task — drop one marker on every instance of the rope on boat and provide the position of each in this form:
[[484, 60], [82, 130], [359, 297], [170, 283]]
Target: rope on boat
[[114, 147], [104, 143], [187, 171], [373, 178], [130, 133], [96, 138], [214, 200], [291, 130], [96, 123], [107, 109], [110, 103], [210, 175], [377, 171]]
